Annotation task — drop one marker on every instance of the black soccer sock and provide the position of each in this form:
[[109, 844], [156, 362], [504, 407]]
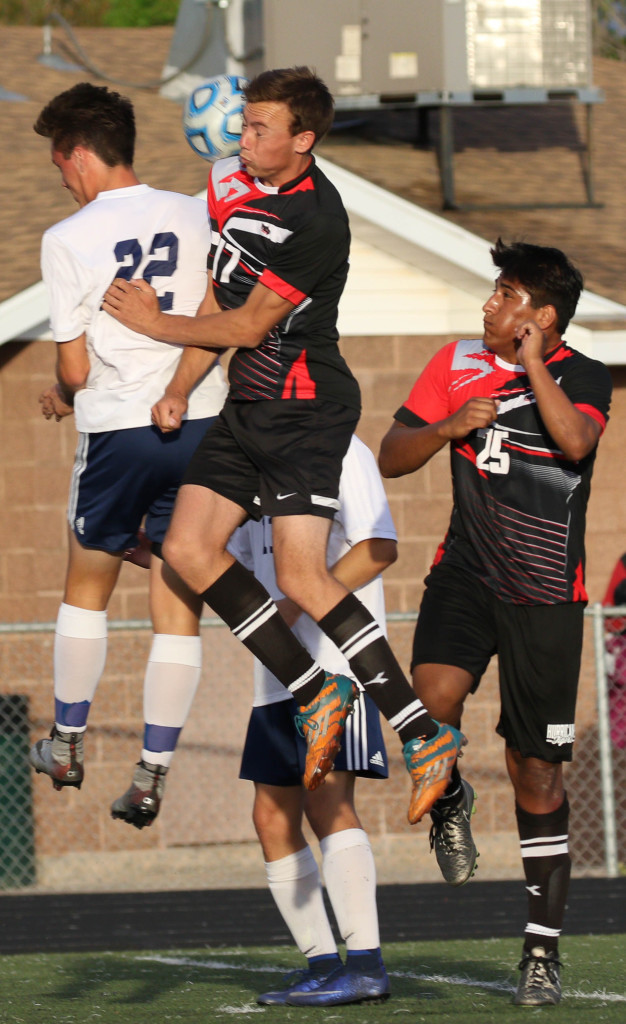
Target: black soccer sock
[[547, 865], [247, 609], [453, 793], [362, 642]]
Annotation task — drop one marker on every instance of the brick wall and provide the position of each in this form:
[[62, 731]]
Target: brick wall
[[38, 455], [34, 482]]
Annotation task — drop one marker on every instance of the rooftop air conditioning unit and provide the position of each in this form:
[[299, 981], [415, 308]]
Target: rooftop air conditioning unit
[[396, 48]]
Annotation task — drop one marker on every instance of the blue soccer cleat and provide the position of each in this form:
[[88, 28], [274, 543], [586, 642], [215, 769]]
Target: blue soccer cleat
[[303, 981], [346, 985]]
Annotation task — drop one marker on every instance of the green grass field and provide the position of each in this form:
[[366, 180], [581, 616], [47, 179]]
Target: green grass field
[[469, 982]]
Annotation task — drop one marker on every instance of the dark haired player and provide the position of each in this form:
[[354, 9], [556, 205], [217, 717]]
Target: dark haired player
[[279, 263], [110, 377], [522, 413]]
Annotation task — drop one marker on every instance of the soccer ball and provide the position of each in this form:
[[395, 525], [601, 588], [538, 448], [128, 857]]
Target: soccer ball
[[212, 117]]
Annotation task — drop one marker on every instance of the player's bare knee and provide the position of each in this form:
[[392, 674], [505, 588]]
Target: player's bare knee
[[297, 583], [271, 825], [288, 582], [171, 552], [536, 781]]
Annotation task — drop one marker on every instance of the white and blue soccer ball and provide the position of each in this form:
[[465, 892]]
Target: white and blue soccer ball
[[212, 117]]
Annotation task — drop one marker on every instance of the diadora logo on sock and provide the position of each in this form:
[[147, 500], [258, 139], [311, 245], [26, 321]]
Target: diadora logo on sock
[[380, 679], [560, 734]]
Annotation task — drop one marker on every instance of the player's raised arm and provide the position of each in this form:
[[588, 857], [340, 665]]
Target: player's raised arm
[[576, 432]]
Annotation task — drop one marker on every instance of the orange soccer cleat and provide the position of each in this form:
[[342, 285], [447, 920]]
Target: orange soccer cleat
[[322, 723], [430, 762]]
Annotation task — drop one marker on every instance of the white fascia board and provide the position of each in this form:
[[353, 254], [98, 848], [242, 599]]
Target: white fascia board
[[433, 233], [25, 316], [433, 240]]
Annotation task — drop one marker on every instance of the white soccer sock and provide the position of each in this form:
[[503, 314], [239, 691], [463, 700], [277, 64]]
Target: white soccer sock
[[350, 879], [170, 683], [294, 883], [80, 646]]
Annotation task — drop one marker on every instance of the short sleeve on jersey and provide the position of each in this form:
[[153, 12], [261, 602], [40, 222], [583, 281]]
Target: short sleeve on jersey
[[588, 385], [364, 510], [61, 273], [307, 257], [429, 401]]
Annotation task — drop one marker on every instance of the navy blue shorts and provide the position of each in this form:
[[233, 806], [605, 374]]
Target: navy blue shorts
[[120, 476], [274, 752], [464, 623], [276, 458]]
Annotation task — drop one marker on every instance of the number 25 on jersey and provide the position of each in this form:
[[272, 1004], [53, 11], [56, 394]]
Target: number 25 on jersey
[[492, 459]]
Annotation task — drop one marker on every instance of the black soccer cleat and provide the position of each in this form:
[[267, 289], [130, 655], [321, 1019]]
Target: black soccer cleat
[[451, 837], [61, 757], [140, 803], [540, 983]]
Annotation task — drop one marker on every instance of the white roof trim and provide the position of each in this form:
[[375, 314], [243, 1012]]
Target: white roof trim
[[410, 234], [435, 234], [26, 315]]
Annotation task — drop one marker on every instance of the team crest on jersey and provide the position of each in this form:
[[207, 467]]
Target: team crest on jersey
[[560, 734], [507, 404]]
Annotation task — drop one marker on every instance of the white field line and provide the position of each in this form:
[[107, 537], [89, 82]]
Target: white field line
[[246, 1008], [443, 979]]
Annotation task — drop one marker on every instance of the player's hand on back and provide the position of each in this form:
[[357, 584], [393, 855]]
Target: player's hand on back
[[53, 403], [135, 304]]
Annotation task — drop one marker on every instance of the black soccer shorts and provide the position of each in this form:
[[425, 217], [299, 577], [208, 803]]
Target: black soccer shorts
[[463, 623], [276, 458]]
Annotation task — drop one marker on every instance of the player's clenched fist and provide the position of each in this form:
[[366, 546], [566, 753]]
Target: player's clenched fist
[[531, 343], [475, 413]]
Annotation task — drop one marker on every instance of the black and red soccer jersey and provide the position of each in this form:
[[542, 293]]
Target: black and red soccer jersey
[[295, 240], [518, 518]]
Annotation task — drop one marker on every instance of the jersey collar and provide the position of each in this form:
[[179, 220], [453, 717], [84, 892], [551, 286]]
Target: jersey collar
[[273, 190], [122, 193]]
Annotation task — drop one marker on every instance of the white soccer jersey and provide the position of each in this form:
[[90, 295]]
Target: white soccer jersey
[[139, 231], [364, 513]]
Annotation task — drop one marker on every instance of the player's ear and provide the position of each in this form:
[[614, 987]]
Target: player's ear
[[304, 141], [79, 157], [546, 317]]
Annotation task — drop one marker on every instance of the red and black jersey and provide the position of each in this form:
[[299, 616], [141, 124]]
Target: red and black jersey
[[295, 240], [518, 518]]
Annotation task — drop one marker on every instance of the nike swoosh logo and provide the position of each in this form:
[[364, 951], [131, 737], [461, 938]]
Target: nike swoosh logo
[[279, 497]]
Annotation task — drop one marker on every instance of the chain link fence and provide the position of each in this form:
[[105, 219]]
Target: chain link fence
[[203, 838]]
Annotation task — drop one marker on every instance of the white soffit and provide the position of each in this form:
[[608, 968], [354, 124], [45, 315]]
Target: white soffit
[[411, 272]]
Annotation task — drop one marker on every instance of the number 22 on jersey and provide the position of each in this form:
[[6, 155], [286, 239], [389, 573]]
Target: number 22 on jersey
[[130, 248]]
